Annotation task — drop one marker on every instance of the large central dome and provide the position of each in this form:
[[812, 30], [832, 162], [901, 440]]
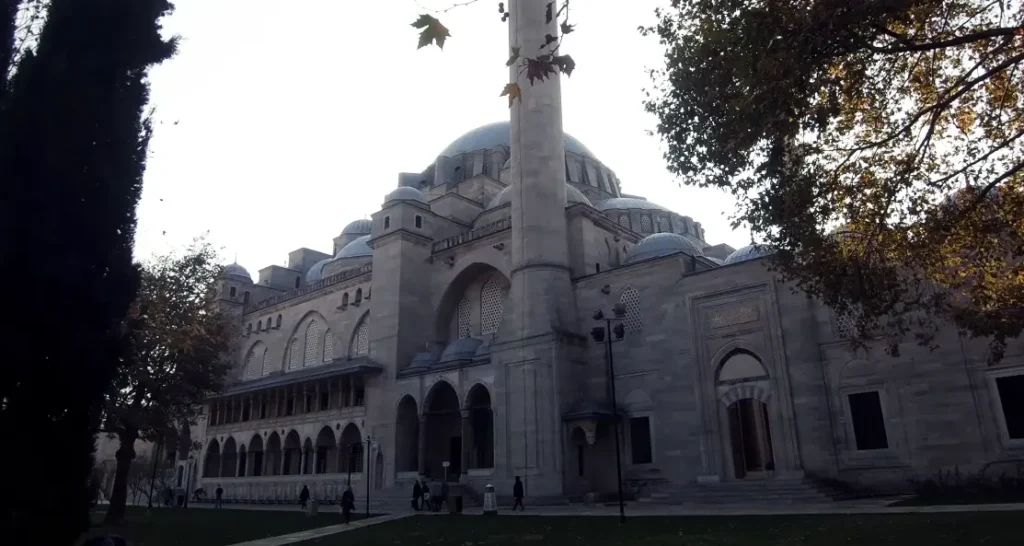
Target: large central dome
[[499, 134]]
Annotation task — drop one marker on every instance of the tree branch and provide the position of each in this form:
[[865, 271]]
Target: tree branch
[[952, 42]]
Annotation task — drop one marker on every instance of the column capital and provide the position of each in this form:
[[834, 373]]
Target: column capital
[[465, 413]]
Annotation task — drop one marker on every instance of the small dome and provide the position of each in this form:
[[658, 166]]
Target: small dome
[[405, 193], [356, 248], [463, 349], [235, 270], [749, 252], [358, 227], [316, 272], [662, 244], [626, 203], [572, 196], [718, 261], [426, 359], [499, 135]]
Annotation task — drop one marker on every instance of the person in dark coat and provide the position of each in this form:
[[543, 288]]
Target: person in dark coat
[[426, 496], [220, 495], [417, 494], [517, 494], [303, 497], [348, 503]]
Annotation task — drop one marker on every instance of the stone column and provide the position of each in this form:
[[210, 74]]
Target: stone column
[[302, 459], [467, 440], [422, 447]]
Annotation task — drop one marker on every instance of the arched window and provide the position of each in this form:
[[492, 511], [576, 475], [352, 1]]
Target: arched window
[[293, 354], [491, 306], [251, 371], [631, 300], [259, 326], [328, 346], [624, 221], [266, 362], [464, 319], [309, 357], [664, 224], [846, 324], [248, 329], [361, 339], [278, 321], [297, 281], [344, 300], [645, 224], [359, 296]]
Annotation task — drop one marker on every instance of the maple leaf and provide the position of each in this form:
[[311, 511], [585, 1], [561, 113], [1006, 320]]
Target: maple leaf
[[513, 91], [432, 31], [513, 57], [538, 69], [565, 64], [567, 28]]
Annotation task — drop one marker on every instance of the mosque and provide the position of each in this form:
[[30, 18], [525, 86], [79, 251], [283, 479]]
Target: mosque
[[453, 336]]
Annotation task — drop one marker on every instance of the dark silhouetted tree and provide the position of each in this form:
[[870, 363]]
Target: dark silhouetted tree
[[73, 143]]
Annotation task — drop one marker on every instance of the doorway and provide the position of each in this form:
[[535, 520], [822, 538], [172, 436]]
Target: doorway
[[454, 458], [751, 439]]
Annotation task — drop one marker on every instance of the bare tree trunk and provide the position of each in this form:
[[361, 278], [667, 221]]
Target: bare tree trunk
[[125, 455]]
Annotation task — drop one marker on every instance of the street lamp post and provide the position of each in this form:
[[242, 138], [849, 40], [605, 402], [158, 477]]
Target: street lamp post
[[366, 474], [613, 334]]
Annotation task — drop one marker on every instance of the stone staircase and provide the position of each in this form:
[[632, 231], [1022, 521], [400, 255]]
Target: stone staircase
[[777, 491], [398, 499]]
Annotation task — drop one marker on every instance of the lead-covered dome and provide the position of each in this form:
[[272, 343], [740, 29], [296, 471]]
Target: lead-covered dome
[[358, 227], [357, 248], [662, 244], [405, 193], [572, 196], [499, 134], [316, 272], [626, 203], [235, 270], [749, 252]]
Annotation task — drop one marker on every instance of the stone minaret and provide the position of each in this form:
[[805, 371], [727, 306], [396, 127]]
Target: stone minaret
[[536, 350]]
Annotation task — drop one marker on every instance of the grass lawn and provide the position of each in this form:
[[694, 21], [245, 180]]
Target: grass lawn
[[980, 498], [982, 528], [209, 527]]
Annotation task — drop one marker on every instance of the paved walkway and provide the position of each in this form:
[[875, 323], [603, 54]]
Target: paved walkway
[[320, 531]]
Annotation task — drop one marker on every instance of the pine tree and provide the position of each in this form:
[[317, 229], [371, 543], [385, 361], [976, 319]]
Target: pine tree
[[74, 132]]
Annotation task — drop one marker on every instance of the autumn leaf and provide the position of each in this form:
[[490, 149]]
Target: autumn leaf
[[432, 31], [513, 57], [539, 69], [567, 28], [565, 64], [548, 13], [548, 40], [513, 92]]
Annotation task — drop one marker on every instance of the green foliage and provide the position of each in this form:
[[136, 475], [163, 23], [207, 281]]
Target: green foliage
[[432, 31], [73, 141], [900, 121], [956, 487], [179, 345]]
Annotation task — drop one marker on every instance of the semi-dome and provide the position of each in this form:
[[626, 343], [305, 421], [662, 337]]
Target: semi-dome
[[572, 196], [749, 252], [357, 248], [316, 272], [463, 349], [662, 244], [499, 134], [358, 227], [625, 203], [235, 270], [405, 193]]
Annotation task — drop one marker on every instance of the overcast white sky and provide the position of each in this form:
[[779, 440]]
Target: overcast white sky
[[290, 123]]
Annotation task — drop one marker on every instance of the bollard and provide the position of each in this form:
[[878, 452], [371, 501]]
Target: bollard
[[490, 502]]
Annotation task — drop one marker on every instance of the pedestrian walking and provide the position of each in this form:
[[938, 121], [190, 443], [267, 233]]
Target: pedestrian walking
[[220, 496], [517, 494], [303, 497], [348, 503], [417, 495]]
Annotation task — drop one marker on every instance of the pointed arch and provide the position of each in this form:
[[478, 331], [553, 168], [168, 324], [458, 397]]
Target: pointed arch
[[266, 361], [481, 429], [229, 459], [326, 451], [350, 454], [211, 465], [254, 361], [273, 455], [309, 357], [292, 355], [407, 432], [291, 453], [630, 299], [328, 346], [344, 300], [360, 343]]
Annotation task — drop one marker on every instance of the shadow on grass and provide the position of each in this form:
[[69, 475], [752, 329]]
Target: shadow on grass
[[989, 528], [209, 527]]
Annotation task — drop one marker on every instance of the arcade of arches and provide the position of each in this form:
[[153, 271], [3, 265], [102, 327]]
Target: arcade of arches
[[328, 454], [446, 431]]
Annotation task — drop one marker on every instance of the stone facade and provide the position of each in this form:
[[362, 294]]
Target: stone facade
[[451, 336]]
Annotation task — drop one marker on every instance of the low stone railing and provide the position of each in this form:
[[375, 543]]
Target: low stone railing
[[470, 236], [312, 287], [326, 488]]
